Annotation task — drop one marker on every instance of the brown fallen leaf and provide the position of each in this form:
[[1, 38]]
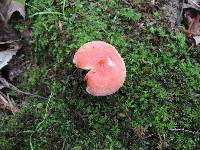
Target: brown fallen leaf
[[162, 143], [190, 15], [140, 131], [16, 66], [8, 7], [192, 22], [187, 32], [192, 19], [7, 103], [193, 4], [9, 46], [9, 41]]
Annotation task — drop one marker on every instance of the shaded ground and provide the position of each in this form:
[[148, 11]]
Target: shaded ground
[[158, 107]]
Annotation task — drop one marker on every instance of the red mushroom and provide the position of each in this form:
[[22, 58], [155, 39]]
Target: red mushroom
[[107, 68]]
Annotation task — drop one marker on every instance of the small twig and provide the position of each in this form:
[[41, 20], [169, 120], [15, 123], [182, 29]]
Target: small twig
[[128, 3], [187, 32], [2, 17], [8, 103], [191, 47], [46, 13], [197, 95], [12, 87], [153, 2], [194, 3], [63, 145], [178, 20], [8, 42], [128, 116], [149, 136], [188, 131]]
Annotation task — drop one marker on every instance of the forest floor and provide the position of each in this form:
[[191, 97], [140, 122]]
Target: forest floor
[[157, 108]]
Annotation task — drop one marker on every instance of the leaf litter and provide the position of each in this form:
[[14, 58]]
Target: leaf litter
[[10, 44], [9, 41], [185, 13], [189, 15]]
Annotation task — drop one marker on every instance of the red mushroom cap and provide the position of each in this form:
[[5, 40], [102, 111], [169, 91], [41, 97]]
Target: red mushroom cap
[[107, 68]]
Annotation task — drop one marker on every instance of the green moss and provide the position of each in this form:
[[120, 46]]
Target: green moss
[[159, 94], [21, 1]]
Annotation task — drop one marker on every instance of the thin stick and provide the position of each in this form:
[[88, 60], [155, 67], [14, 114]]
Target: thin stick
[[178, 20], [8, 103], [188, 131], [191, 47], [45, 13], [12, 87], [8, 42], [194, 3], [8, 85], [150, 136]]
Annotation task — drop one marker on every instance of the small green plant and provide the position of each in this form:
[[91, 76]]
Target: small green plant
[[130, 14]]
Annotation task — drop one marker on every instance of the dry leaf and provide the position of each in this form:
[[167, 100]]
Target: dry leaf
[[16, 6], [9, 45], [162, 143], [197, 40], [8, 7], [193, 22], [9, 42], [16, 66], [191, 17], [5, 57], [4, 83], [7, 103], [140, 131]]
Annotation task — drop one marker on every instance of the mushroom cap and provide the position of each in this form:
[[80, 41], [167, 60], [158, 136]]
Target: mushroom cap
[[107, 68]]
